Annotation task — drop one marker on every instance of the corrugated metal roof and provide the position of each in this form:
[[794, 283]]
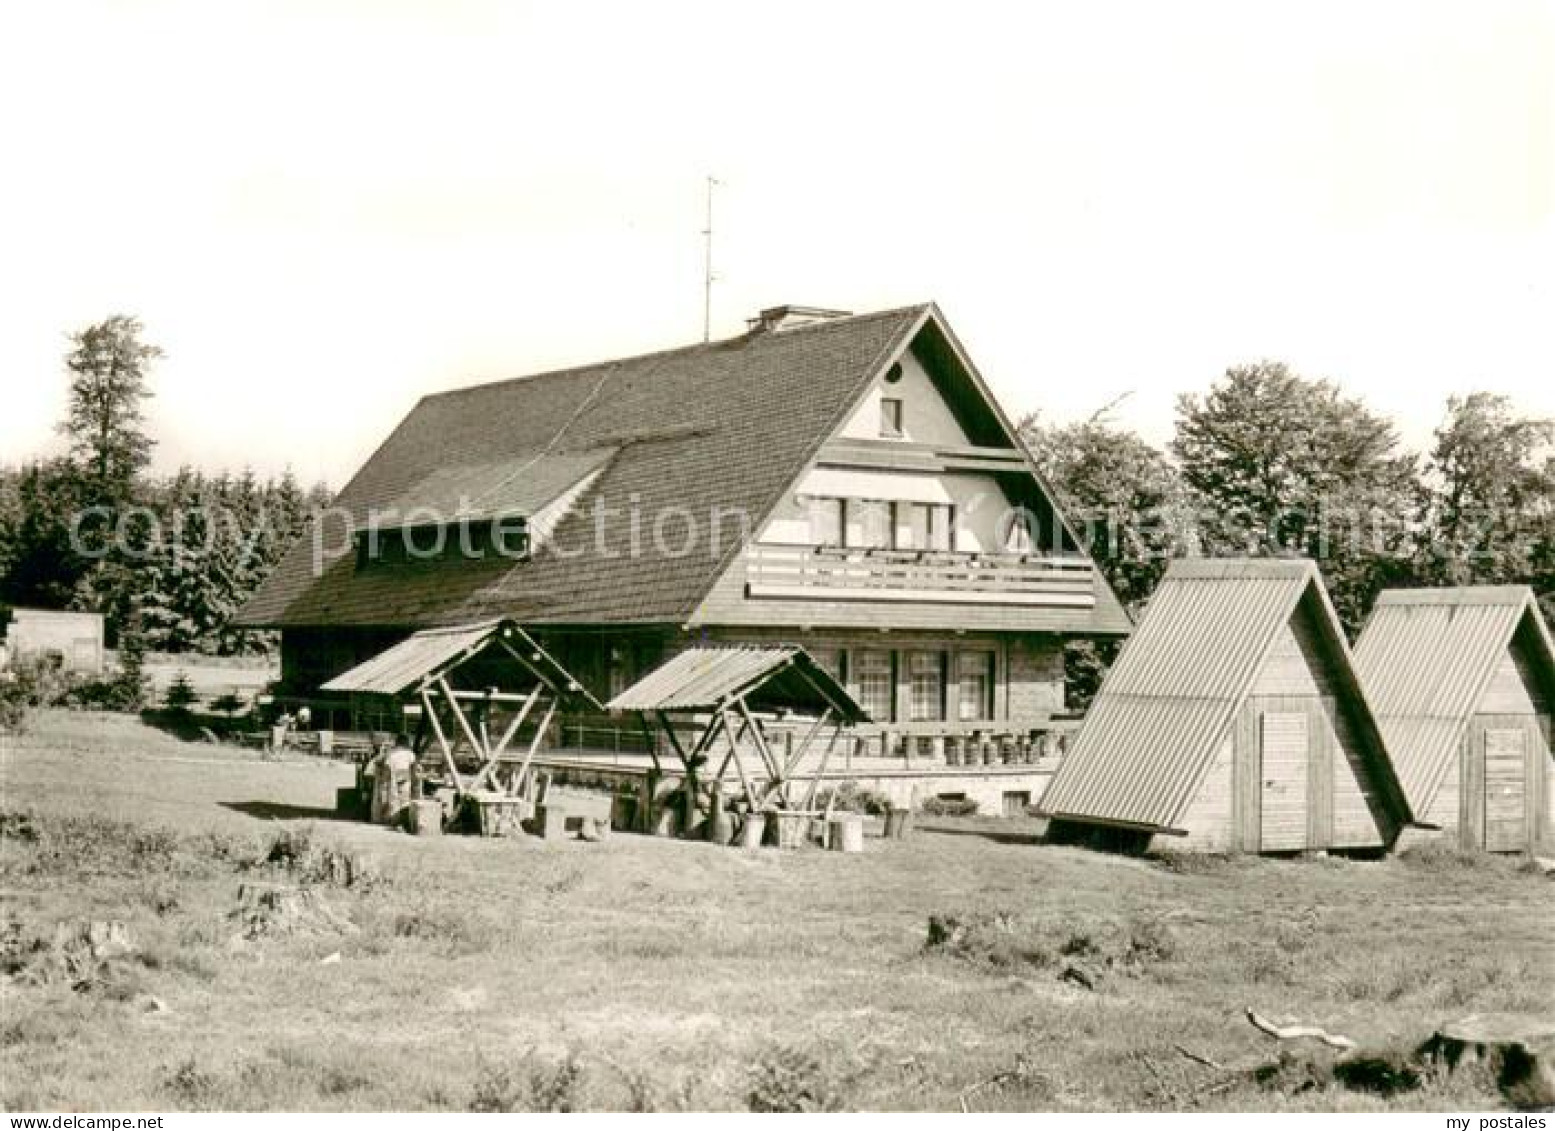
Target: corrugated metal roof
[[1166, 704], [1424, 659], [701, 679], [407, 664]]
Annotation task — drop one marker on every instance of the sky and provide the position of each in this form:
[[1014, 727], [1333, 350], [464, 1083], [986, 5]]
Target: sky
[[323, 210]]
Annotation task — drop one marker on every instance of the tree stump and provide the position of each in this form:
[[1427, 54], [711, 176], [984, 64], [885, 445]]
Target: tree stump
[[1518, 1049], [275, 909]]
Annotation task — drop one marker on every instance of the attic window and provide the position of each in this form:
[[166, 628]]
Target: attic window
[[891, 417], [463, 540]]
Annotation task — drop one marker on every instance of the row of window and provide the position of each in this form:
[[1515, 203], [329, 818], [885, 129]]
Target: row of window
[[872, 674], [880, 524], [465, 539]]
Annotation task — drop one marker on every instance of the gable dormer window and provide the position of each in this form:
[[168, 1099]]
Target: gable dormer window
[[891, 417], [467, 540]]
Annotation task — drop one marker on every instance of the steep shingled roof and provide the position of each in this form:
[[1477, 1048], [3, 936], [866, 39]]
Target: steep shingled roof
[[1165, 706], [726, 426], [1425, 657]]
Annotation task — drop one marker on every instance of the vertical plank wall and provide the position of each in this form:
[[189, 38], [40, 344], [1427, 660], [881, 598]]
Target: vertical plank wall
[[1343, 801], [1496, 796]]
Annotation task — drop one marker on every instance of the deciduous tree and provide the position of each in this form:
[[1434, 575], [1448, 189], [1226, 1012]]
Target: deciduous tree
[[1282, 464], [1127, 502], [1491, 513]]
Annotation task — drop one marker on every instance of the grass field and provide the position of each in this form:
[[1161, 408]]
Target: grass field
[[651, 974]]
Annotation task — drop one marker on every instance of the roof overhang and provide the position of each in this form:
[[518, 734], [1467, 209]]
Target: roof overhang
[[424, 658], [779, 678]]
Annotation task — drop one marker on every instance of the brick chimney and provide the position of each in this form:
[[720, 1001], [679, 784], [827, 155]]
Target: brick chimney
[[788, 316]]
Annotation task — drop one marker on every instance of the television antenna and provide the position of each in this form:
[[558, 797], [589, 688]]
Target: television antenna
[[707, 265]]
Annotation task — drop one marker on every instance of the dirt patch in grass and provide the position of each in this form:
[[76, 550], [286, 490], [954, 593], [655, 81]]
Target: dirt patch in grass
[[1084, 951]]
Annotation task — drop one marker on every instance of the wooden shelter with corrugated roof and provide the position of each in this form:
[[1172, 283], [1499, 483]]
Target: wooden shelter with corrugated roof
[[728, 695], [1233, 720], [475, 690], [1462, 682]]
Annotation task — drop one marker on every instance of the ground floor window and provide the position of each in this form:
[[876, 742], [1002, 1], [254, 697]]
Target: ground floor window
[[974, 677], [872, 673], [926, 686]]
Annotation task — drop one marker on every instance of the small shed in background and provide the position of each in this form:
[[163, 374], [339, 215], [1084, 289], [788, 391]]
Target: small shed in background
[[1233, 720], [1462, 682], [73, 639]]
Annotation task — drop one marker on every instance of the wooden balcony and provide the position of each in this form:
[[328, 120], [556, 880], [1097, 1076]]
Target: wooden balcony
[[904, 455], [911, 575]]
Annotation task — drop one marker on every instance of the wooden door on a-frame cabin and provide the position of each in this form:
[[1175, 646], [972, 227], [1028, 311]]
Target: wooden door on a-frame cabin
[[1284, 750], [1495, 797]]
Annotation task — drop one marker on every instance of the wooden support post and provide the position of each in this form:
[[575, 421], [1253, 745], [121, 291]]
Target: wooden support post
[[793, 761], [804, 746], [464, 723], [760, 739], [528, 665], [491, 696], [489, 769], [733, 755], [519, 783], [442, 741], [739, 766], [669, 733], [650, 738], [777, 782], [692, 760], [815, 782], [518, 721], [686, 759]]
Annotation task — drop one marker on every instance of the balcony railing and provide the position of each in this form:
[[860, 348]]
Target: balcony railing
[[599, 740], [913, 575]]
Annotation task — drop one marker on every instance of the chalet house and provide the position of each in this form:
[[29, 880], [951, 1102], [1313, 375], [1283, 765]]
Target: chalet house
[[846, 483], [1232, 721]]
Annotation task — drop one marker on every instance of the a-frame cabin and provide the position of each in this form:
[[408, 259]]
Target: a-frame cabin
[[1232, 721], [1462, 682]]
